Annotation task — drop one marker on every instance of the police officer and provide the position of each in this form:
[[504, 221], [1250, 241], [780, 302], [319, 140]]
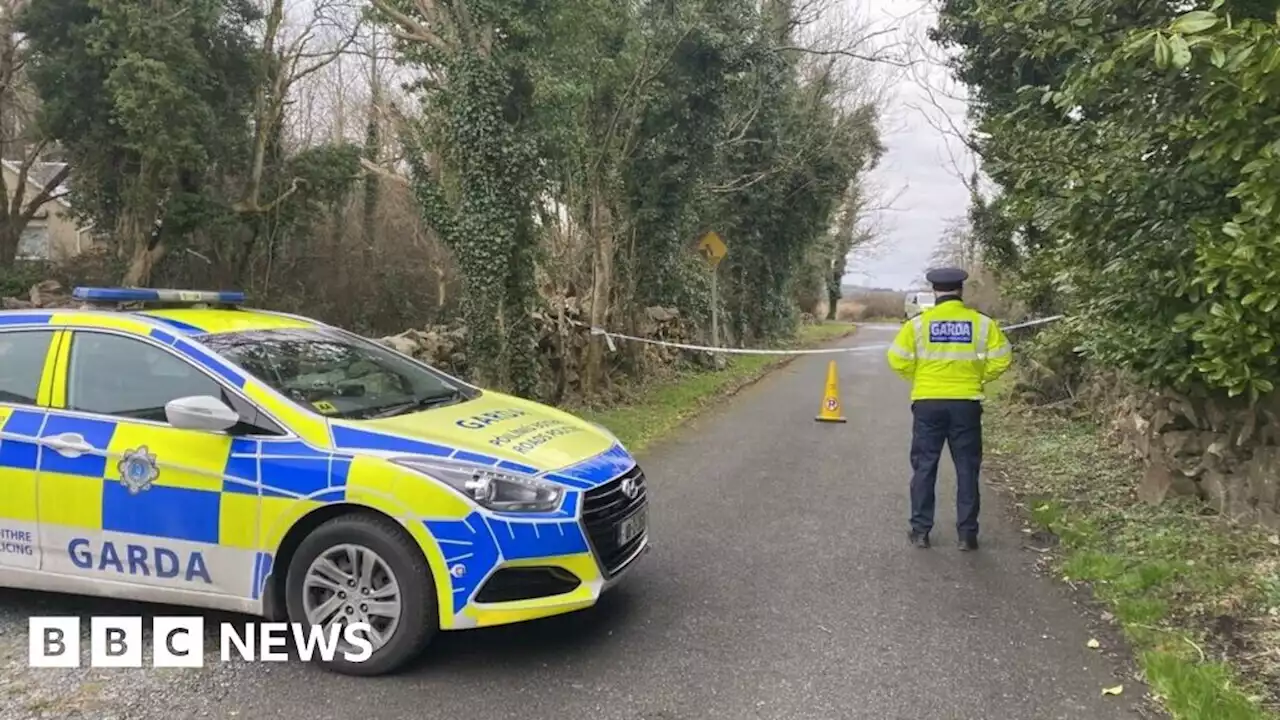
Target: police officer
[[947, 353]]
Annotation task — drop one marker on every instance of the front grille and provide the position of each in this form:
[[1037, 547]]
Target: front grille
[[604, 509]]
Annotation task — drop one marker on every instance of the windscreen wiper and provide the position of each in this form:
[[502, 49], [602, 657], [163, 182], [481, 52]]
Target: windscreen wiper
[[423, 403], [441, 398]]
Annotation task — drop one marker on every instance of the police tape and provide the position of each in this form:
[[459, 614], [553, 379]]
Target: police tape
[[609, 337], [1032, 323]]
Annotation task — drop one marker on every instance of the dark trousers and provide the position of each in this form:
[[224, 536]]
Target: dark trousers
[[958, 423]]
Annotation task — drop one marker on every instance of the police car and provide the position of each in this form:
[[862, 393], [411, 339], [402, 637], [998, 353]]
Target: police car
[[173, 446]]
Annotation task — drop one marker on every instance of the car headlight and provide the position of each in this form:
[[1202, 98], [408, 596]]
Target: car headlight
[[489, 488]]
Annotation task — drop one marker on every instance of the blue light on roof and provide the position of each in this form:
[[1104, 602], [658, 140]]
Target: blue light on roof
[[155, 295]]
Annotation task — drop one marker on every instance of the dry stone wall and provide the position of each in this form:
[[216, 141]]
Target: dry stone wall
[[563, 335], [1225, 453], [47, 294]]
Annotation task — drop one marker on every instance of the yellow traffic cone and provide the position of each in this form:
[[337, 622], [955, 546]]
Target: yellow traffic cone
[[830, 411]]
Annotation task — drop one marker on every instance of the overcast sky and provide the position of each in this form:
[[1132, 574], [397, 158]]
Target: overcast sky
[[917, 171]]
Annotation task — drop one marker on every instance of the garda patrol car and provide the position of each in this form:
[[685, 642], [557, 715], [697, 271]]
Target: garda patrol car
[[175, 447]]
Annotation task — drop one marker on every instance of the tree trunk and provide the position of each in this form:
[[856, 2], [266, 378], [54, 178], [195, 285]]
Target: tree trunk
[[521, 351], [10, 62], [138, 238], [128, 233], [144, 261], [244, 254], [369, 216], [266, 103], [372, 150], [10, 236], [601, 288], [441, 290], [835, 288]]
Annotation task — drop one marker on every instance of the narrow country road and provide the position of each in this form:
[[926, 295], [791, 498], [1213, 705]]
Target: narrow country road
[[780, 586]]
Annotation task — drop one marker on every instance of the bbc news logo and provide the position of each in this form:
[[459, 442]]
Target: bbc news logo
[[179, 642]]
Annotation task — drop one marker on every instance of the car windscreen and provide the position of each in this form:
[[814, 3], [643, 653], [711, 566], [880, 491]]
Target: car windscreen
[[336, 374]]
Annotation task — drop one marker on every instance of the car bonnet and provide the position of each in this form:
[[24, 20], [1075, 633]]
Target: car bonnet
[[493, 429]]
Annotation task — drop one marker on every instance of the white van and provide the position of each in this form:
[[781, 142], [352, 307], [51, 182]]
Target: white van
[[918, 302]]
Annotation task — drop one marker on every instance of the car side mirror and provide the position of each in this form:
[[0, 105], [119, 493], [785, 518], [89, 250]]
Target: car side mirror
[[200, 412]]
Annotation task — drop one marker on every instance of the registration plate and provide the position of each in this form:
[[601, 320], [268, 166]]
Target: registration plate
[[632, 527]]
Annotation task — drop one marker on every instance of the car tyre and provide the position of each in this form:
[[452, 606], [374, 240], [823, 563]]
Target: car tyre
[[418, 616]]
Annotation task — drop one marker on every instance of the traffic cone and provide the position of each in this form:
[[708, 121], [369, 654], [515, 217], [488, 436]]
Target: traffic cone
[[830, 411]]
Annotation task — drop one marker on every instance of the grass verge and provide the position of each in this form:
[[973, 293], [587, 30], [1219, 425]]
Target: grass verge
[[666, 404], [1196, 598]]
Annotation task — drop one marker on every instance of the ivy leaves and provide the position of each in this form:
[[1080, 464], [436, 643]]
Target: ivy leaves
[[666, 118]]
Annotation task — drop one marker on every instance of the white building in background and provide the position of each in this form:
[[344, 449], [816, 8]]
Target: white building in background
[[54, 233]]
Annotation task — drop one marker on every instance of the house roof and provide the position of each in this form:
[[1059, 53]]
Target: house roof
[[39, 174]]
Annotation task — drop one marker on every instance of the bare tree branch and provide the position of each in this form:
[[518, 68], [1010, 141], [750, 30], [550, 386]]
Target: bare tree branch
[[326, 58], [410, 30], [874, 58], [48, 193], [272, 95], [382, 172]]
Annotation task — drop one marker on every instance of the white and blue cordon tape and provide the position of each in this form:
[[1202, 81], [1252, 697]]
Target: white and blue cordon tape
[[611, 336]]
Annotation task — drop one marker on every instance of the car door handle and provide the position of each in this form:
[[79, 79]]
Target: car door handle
[[68, 444]]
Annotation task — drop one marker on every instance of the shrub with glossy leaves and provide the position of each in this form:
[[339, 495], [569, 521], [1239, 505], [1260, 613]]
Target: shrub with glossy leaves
[[1134, 145]]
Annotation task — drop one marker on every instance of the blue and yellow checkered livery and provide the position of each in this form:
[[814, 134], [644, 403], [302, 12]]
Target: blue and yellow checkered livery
[[132, 508]]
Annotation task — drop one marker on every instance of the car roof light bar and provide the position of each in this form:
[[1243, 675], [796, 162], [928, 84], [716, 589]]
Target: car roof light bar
[[137, 295]]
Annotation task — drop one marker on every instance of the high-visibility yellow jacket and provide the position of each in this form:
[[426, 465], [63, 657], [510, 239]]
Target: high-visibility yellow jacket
[[949, 352]]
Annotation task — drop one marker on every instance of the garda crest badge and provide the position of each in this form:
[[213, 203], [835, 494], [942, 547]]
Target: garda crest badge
[[137, 470]]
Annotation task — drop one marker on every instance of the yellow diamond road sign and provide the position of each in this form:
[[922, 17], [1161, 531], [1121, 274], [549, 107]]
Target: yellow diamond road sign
[[712, 248]]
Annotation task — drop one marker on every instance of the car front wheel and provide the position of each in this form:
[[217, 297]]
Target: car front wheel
[[364, 569]]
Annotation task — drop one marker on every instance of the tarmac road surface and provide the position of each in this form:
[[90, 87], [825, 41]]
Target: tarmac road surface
[[780, 586]]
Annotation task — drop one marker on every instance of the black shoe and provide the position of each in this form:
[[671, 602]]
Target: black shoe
[[920, 540], [968, 543]]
